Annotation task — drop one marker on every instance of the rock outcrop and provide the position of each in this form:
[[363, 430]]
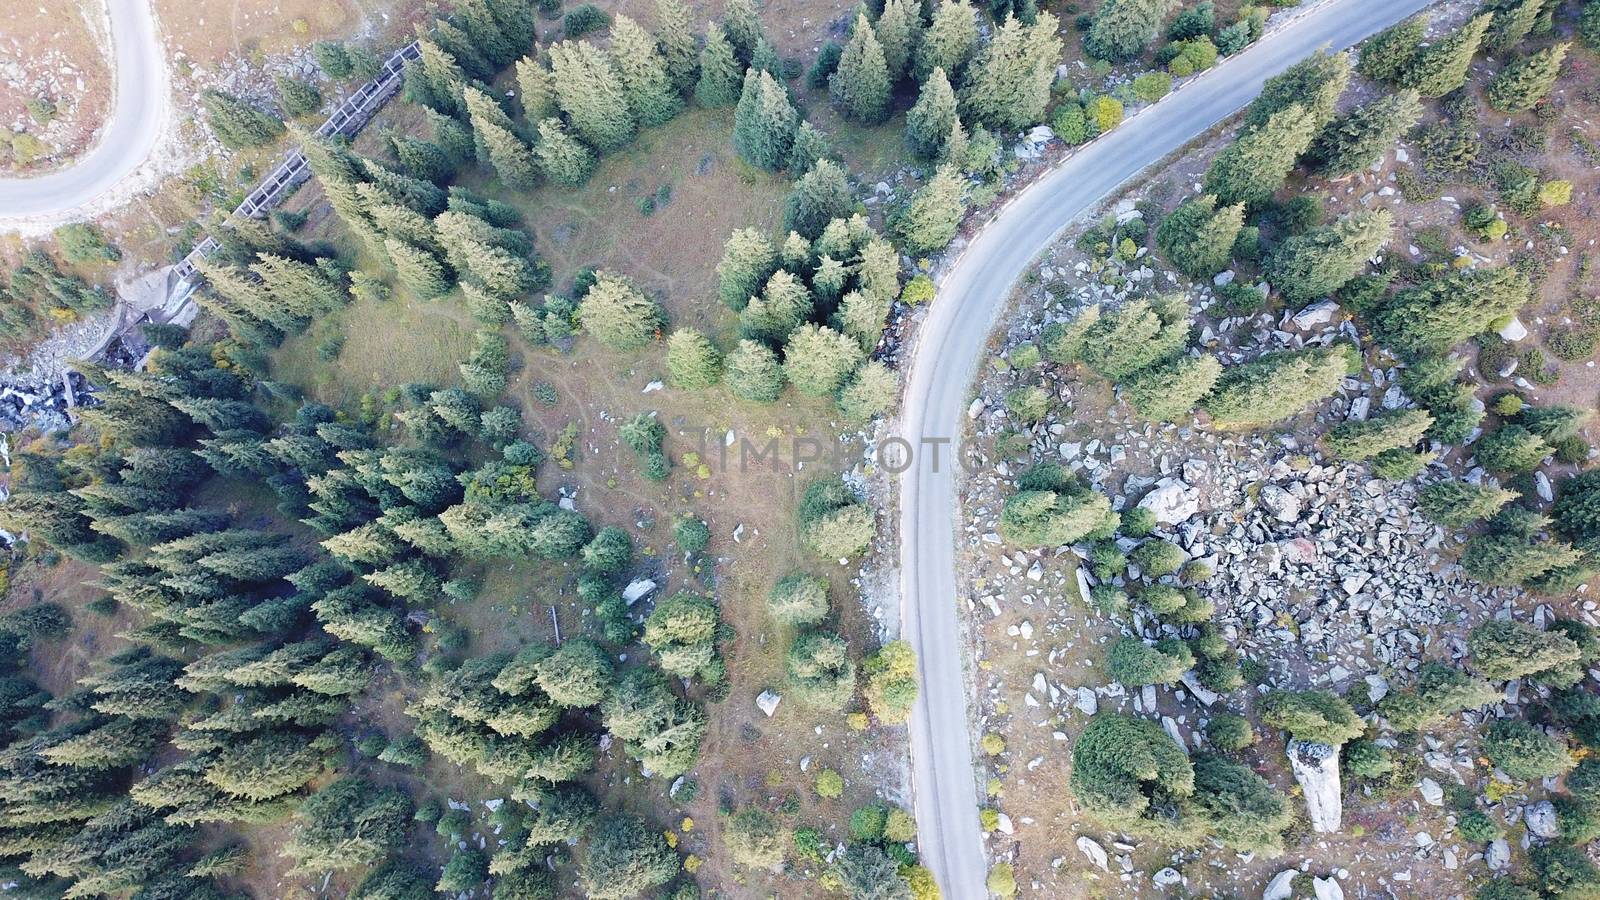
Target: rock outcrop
[[1316, 768]]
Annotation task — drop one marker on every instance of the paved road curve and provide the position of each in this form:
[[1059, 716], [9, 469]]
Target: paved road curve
[[138, 116], [951, 342]]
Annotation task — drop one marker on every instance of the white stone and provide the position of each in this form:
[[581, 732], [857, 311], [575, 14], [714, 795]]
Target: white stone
[[1095, 852], [1087, 702], [1432, 793], [1514, 330], [1281, 887], [1171, 501], [1284, 506], [1541, 819], [1377, 687], [1316, 769], [1316, 314], [768, 701], [1541, 483], [1166, 877], [1498, 856], [1327, 889], [637, 590], [1205, 695], [1004, 826], [1083, 583]]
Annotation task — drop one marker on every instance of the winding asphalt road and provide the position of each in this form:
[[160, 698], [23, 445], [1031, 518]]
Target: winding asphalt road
[[139, 110], [946, 357]]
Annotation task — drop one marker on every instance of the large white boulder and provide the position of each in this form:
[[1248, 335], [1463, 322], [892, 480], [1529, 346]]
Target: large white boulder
[[768, 701], [1498, 856], [1095, 852], [1281, 887], [1316, 768], [1541, 819], [1284, 506], [1327, 889], [1315, 315], [1171, 501]]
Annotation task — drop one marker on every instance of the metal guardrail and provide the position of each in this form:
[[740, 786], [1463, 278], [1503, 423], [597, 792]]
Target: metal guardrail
[[348, 119]]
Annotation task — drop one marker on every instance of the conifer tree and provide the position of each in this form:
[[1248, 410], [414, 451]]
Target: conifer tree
[[1391, 430], [861, 86], [784, 303], [439, 78], [515, 18], [818, 360], [765, 59], [1440, 313], [535, 89], [693, 362], [1513, 21], [1442, 67], [423, 160], [820, 196], [618, 314], [1169, 391], [333, 59], [930, 120], [861, 315], [898, 31], [753, 373], [1459, 504], [498, 47], [1357, 139], [929, 222], [955, 146], [765, 122], [296, 97], [675, 37], [1317, 263], [461, 47], [592, 94], [719, 78], [1008, 87], [1314, 83], [742, 26], [562, 158], [1198, 238], [1121, 29], [451, 135], [870, 392], [1387, 55], [810, 147], [418, 269], [1274, 387], [949, 42], [652, 96], [238, 124], [1258, 162], [1526, 81], [509, 154], [748, 260]]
